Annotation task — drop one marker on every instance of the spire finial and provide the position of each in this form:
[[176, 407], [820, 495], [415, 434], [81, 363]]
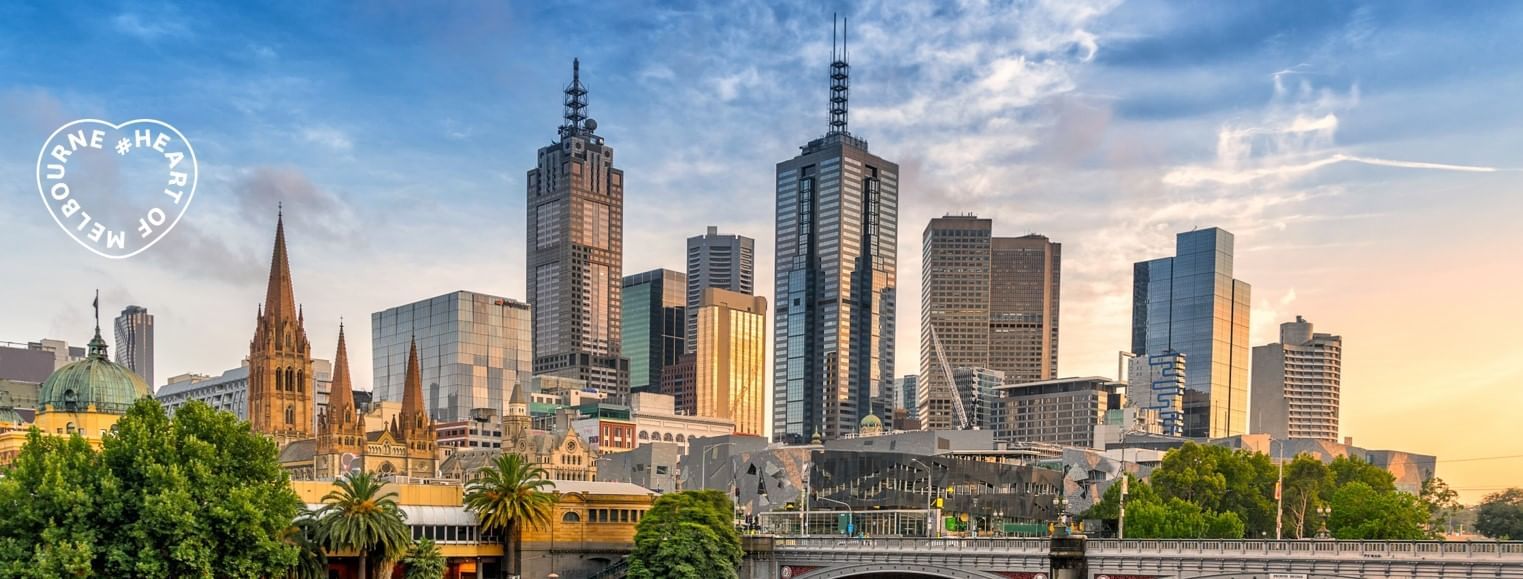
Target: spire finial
[[97, 343], [840, 79], [96, 305]]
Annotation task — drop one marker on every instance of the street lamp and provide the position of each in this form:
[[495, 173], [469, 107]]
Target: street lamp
[[932, 530], [1325, 512], [703, 463], [1060, 504], [851, 518]]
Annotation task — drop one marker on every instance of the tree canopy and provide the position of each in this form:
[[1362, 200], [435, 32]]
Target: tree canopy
[[197, 496], [687, 535], [1500, 515]]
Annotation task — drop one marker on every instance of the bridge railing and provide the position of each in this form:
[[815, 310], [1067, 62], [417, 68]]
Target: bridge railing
[[915, 544], [1312, 549]]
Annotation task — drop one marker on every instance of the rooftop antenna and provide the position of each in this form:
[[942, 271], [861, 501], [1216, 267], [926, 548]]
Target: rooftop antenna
[[576, 100], [840, 73]]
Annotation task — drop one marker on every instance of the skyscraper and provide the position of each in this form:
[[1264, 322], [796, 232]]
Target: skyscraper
[[653, 333], [1191, 305], [575, 252], [134, 341], [474, 348], [731, 359], [837, 226], [715, 260], [1297, 383], [992, 302], [282, 394]]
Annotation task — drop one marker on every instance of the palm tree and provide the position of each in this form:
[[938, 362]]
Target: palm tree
[[506, 496], [304, 534], [425, 561], [358, 515]]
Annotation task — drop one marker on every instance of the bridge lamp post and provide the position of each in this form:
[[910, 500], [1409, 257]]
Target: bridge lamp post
[[1325, 512], [1060, 504], [851, 517]]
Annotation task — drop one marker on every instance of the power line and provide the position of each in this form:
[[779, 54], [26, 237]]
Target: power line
[[1480, 458]]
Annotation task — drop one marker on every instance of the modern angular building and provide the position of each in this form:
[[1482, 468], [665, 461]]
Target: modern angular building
[[653, 331], [1191, 305], [1296, 384], [473, 349], [991, 302], [134, 341], [721, 261], [576, 251], [731, 359], [837, 231]]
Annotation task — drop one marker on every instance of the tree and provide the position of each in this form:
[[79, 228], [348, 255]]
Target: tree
[[1365, 513], [1442, 503], [1306, 479], [1349, 469], [687, 535], [196, 496], [506, 497], [1151, 516], [1500, 515], [305, 535], [359, 515], [425, 561], [1221, 480]]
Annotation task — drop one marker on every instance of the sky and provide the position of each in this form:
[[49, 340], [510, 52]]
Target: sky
[[1365, 155]]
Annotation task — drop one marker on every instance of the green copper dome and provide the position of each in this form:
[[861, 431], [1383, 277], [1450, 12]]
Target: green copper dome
[[93, 381]]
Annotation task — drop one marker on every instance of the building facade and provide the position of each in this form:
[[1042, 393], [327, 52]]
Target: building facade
[[1157, 382], [837, 231], [979, 389], [730, 364], [717, 260], [1297, 383], [1063, 412], [282, 399], [656, 420], [134, 341], [652, 333], [986, 302], [474, 349], [228, 392], [1191, 305], [576, 252]]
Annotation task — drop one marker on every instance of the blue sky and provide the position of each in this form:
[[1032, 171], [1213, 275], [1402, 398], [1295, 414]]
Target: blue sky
[[1345, 143]]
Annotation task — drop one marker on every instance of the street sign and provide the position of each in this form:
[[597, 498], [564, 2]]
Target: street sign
[[1287, 576]]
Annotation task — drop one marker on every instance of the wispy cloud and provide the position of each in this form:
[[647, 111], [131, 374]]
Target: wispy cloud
[[1192, 176]]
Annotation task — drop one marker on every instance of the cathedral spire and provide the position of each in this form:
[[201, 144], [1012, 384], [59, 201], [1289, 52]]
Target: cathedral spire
[[412, 392], [279, 300], [341, 399]]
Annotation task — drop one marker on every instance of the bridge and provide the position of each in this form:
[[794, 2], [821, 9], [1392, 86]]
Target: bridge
[[783, 557]]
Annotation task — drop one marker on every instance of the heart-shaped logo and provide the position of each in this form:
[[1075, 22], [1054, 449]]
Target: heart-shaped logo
[[117, 189]]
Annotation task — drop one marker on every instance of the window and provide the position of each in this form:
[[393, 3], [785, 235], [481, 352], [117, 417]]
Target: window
[[571, 517]]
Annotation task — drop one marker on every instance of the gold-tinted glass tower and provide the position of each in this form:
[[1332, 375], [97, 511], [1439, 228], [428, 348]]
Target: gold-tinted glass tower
[[731, 364], [281, 397]]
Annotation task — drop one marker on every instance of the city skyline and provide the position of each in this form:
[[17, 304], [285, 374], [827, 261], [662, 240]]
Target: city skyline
[[1250, 158]]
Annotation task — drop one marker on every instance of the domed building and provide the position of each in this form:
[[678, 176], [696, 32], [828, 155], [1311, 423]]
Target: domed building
[[871, 425], [85, 397]]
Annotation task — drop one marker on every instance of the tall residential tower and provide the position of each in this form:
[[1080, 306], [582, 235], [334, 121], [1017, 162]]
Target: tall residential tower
[[1189, 305], [576, 251], [837, 228], [134, 341], [1297, 383]]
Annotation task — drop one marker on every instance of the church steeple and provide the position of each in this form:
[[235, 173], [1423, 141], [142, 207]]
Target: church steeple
[[281, 389], [279, 298], [414, 415], [341, 398]]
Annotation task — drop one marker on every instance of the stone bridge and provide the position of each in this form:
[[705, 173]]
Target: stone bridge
[[769, 557]]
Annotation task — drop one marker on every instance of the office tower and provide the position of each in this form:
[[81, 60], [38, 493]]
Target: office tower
[[576, 251], [1296, 384], [1024, 277], [1063, 412], [281, 392], [134, 341], [474, 349], [954, 311], [977, 387], [991, 302], [715, 260], [837, 226], [1191, 305], [731, 359], [653, 333]]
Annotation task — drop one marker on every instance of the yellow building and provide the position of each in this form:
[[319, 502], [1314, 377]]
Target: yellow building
[[731, 359], [86, 398], [593, 526]]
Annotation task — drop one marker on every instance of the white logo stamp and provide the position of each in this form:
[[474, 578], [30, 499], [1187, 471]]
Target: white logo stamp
[[117, 189]]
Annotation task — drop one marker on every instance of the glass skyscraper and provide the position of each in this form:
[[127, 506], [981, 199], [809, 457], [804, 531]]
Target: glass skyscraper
[[473, 349], [837, 230], [730, 364], [1191, 304], [717, 260], [652, 332], [134, 341]]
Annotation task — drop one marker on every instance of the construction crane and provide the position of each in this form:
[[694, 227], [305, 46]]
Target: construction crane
[[941, 358]]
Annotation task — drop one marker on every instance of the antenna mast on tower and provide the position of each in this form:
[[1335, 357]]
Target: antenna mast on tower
[[840, 77]]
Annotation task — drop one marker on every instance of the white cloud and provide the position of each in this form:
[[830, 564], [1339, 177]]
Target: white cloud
[[328, 137]]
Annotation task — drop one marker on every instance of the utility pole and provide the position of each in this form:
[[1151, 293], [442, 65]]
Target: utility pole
[[1121, 528], [1279, 496]]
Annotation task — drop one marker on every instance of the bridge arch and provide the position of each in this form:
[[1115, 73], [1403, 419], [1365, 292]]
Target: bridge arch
[[1267, 575], [899, 571]]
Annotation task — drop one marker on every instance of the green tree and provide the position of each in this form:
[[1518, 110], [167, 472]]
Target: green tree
[[1349, 469], [305, 534], [1151, 516], [359, 515], [1306, 479], [425, 561], [196, 496], [1500, 515], [1442, 503], [506, 497], [1221, 480], [687, 535], [1362, 512]]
